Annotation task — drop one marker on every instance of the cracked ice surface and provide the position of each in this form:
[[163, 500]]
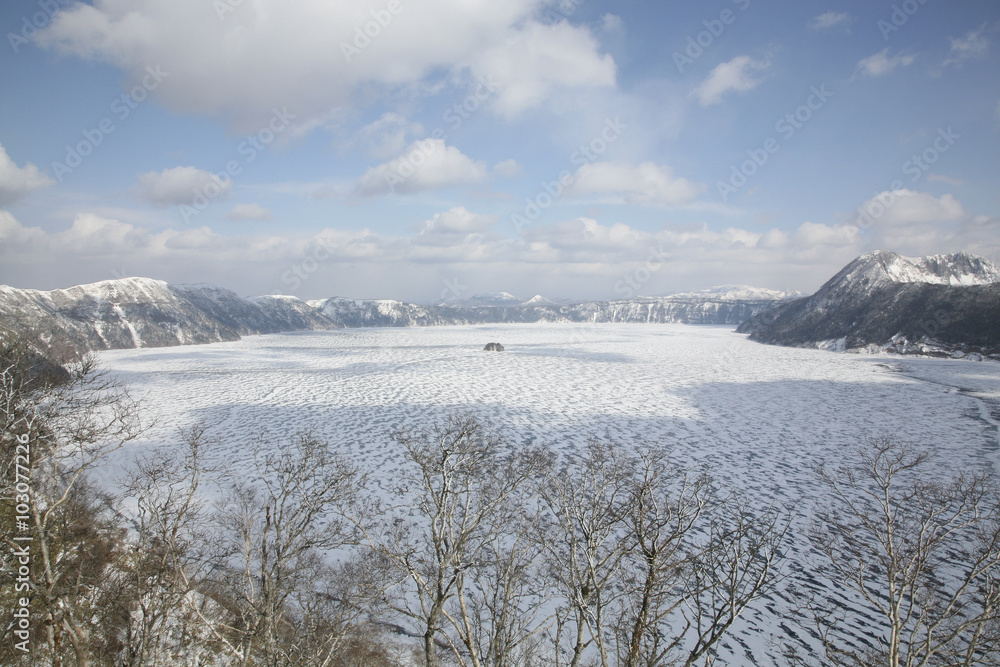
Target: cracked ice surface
[[759, 418]]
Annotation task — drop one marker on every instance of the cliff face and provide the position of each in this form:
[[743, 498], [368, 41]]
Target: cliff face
[[140, 312], [662, 310]]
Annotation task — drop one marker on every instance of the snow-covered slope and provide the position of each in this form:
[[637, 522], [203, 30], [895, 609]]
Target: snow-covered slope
[[539, 300], [941, 304], [660, 310], [373, 312], [960, 269], [141, 312]]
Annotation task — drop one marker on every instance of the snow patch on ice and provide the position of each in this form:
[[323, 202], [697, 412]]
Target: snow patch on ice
[[758, 418]]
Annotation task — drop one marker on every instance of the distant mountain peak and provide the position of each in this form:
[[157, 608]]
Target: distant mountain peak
[[736, 293], [539, 300], [492, 299]]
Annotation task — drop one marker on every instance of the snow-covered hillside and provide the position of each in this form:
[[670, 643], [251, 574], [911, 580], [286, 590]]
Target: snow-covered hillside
[[942, 304], [961, 268], [141, 312]]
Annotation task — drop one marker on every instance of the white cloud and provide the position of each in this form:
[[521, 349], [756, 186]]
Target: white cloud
[[458, 220], [646, 183], [581, 258], [388, 135], [536, 59], [812, 235], [735, 75], [507, 168], [181, 186], [613, 23], [774, 238], [971, 45], [917, 223], [429, 164], [248, 212], [586, 238], [12, 234], [18, 182], [905, 207], [702, 236], [313, 55], [881, 64], [828, 20], [97, 235]]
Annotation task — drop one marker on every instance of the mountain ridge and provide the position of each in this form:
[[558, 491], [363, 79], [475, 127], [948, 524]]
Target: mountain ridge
[[939, 305], [143, 312]]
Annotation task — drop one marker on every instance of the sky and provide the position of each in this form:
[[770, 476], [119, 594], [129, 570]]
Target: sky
[[439, 149]]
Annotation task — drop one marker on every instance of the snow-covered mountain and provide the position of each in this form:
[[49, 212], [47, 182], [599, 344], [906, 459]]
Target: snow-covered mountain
[[141, 312], [736, 293], [491, 299], [345, 312], [539, 300], [942, 304], [355, 313], [882, 267]]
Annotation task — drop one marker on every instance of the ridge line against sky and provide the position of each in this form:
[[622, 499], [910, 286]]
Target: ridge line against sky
[[435, 150]]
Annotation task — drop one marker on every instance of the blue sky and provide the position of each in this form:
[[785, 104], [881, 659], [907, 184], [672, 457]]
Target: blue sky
[[442, 148]]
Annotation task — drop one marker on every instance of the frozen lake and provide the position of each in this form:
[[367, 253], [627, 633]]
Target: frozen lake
[[758, 417]]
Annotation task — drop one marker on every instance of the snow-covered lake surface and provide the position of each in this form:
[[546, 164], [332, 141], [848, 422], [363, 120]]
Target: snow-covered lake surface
[[760, 418]]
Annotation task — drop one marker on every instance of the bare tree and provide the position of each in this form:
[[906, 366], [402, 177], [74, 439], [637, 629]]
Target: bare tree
[[331, 618], [65, 428], [167, 555], [278, 527], [737, 565], [462, 478], [503, 604], [588, 503], [922, 552], [648, 556], [665, 504]]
